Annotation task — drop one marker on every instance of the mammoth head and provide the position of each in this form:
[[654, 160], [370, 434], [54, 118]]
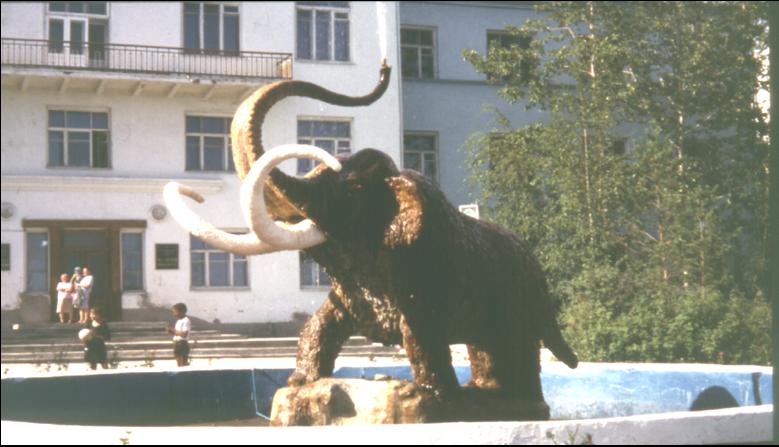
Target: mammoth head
[[364, 198], [294, 230], [304, 234]]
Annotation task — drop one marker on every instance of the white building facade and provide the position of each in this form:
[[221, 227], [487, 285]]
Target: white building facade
[[105, 102]]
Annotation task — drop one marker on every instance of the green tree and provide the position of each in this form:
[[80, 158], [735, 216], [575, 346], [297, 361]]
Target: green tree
[[657, 249]]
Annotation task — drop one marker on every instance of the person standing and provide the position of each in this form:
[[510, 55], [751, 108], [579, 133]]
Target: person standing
[[64, 298], [76, 295], [85, 290], [180, 333]]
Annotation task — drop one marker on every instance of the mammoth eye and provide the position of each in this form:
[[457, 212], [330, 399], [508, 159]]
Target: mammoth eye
[[353, 182], [354, 185]]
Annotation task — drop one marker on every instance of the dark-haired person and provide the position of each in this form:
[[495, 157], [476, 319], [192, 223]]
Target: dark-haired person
[[180, 333], [94, 341]]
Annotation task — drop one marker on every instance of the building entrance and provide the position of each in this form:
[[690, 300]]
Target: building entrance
[[89, 248], [92, 243]]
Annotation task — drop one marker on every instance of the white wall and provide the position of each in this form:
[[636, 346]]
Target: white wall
[[22, 20], [148, 141], [146, 23], [12, 281]]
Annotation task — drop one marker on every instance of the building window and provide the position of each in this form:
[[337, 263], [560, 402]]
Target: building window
[[323, 31], [78, 28], [216, 268], [208, 144], [211, 27], [618, 146], [419, 153], [98, 8], [311, 273], [332, 136], [57, 35], [6, 257], [37, 262], [132, 261], [417, 49], [79, 139], [504, 40]]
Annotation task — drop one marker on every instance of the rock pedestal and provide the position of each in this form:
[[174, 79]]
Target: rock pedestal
[[358, 401]]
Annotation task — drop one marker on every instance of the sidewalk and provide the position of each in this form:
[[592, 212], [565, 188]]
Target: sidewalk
[[55, 347], [382, 357], [730, 426]]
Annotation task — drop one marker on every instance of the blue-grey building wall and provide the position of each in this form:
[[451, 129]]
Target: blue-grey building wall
[[453, 104]]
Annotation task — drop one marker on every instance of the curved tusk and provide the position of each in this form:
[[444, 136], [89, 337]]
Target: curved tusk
[[301, 235], [243, 244]]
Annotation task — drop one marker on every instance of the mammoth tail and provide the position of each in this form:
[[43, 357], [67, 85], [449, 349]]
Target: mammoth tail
[[553, 340]]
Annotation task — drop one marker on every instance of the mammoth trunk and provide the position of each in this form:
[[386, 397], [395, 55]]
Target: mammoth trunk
[[301, 234], [300, 191]]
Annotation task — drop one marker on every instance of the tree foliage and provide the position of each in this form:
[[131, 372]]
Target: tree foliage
[[644, 191]]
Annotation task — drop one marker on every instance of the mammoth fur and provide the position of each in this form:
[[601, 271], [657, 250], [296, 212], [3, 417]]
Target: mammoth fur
[[406, 267]]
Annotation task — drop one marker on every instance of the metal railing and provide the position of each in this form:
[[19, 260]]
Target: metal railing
[[145, 59]]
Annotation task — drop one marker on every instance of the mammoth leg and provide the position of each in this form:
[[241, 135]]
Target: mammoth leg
[[513, 368], [428, 352], [516, 367], [321, 340], [482, 368]]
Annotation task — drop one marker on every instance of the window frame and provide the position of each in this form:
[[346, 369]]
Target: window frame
[[85, 13], [309, 262], [67, 18], [500, 34], [65, 130], [332, 10], [227, 158], [206, 266], [418, 47], [202, 27], [6, 253], [47, 275], [312, 140], [121, 259], [435, 152]]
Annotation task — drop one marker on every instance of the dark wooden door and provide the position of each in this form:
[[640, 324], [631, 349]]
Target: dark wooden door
[[91, 248]]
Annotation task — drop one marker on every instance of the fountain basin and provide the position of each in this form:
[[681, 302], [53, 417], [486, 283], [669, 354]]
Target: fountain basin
[[208, 396]]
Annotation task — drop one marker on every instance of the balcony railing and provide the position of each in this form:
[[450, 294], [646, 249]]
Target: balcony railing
[[145, 59]]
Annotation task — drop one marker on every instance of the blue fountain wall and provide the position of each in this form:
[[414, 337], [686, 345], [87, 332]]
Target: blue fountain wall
[[189, 397]]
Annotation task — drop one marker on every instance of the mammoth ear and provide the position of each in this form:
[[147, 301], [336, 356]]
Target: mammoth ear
[[406, 226]]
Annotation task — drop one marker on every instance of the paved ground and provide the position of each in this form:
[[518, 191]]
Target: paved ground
[[746, 426], [54, 347], [48, 370]]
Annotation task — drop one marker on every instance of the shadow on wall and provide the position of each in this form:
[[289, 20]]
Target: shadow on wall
[[713, 398]]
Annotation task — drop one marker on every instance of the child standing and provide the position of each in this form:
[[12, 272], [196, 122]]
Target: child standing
[[180, 333], [94, 344]]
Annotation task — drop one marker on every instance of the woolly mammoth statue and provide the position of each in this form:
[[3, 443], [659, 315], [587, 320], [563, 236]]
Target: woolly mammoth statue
[[406, 267]]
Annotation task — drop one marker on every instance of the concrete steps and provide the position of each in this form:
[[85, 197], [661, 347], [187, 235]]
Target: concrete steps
[[71, 356], [147, 341]]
